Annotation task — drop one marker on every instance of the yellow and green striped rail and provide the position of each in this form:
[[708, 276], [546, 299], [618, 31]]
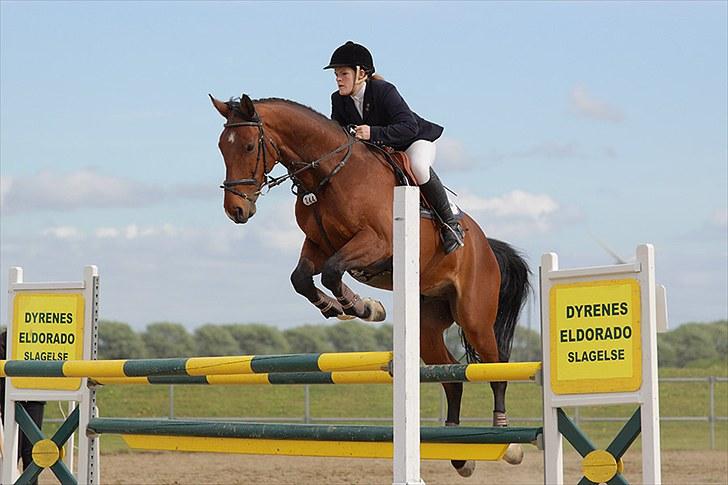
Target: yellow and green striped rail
[[519, 371], [199, 366]]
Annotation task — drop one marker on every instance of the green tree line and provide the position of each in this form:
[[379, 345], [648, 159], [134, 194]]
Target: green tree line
[[690, 345]]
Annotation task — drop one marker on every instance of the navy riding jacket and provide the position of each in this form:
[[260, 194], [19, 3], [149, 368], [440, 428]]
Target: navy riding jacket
[[392, 122]]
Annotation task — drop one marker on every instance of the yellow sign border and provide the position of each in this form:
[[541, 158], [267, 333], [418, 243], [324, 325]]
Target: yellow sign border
[[598, 385], [56, 383]]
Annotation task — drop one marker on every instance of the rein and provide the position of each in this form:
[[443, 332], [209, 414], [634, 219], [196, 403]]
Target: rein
[[350, 140], [269, 181]]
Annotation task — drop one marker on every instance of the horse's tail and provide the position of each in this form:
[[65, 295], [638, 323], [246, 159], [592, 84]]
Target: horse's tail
[[514, 290]]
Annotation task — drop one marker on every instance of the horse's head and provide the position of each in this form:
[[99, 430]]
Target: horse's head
[[247, 159]]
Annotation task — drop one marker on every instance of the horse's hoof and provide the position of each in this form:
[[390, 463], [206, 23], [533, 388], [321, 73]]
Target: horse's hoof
[[467, 469], [377, 313], [514, 454], [344, 316]]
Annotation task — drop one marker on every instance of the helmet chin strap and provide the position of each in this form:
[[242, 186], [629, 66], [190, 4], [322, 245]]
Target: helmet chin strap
[[357, 82]]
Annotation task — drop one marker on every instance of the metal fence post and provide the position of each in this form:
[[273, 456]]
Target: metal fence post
[[171, 401], [443, 403], [306, 404], [711, 416]]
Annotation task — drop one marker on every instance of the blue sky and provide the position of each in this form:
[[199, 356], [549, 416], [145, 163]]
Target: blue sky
[[567, 125]]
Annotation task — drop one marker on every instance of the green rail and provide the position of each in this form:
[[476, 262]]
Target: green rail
[[217, 429]]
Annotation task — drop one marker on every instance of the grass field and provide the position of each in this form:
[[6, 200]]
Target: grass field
[[375, 401]]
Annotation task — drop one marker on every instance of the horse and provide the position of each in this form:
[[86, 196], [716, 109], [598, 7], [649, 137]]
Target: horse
[[344, 196]]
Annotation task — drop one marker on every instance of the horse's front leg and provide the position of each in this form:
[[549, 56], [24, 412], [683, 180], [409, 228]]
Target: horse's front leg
[[361, 251], [309, 264]]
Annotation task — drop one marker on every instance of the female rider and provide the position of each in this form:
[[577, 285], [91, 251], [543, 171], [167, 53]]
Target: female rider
[[381, 116]]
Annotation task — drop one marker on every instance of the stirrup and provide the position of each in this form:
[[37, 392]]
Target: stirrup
[[452, 234]]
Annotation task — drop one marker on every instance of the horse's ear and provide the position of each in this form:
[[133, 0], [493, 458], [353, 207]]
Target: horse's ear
[[222, 107], [247, 107]]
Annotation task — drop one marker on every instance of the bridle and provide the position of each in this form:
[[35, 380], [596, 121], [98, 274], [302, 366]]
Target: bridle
[[269, 181], [229, 185]]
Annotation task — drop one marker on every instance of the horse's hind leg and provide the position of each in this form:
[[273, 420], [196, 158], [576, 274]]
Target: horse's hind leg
[[435, 318], [477, 319], [476, 316]]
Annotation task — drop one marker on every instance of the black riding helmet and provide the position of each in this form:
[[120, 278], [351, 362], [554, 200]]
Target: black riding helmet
[[351, 55]]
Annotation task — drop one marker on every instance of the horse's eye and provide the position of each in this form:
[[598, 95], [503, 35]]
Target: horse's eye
[[250, 147]]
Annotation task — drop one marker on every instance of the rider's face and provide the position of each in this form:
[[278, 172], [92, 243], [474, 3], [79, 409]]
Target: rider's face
[[346, 80]]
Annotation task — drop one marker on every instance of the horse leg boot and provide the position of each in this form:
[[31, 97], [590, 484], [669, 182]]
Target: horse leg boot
[[349, 300], [452, 234]]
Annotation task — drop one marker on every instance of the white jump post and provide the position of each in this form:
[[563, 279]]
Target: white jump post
[[599, 328], [68, 310], [406, 401]]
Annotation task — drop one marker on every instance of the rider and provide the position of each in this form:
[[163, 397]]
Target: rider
[[381, 116]]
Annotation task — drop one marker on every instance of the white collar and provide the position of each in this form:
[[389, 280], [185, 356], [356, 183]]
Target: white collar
[[359, 97]]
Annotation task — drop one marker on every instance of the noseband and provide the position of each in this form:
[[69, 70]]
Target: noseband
[[270, 182]]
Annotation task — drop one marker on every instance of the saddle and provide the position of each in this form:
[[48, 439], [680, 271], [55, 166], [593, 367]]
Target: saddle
[[404, 175]]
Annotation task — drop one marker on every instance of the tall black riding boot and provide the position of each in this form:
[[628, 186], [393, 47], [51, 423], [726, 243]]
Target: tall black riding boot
[[450, 230]]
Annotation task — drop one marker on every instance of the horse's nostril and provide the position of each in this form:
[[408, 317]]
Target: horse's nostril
[[240, 216]]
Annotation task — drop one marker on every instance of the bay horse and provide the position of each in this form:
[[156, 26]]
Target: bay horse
[[344, 206]]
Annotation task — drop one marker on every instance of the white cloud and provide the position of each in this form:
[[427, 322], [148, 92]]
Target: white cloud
[[552, 150], [584, 104], [194, 274], [86, 188], [6, 185], [516, 203], [719, 218], [67, 233], [516, 214], [452, 155], [228, 273], [278, 227], [48, 190], [106, 233], [129, 232]]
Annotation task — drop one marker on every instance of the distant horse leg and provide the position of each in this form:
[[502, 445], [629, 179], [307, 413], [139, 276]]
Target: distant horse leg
[[302, 280], [435, 318], [476, 316], [363, 250], [477, 319]]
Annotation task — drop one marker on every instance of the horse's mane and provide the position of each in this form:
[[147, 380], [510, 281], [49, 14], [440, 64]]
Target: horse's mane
[[234, 103], [295, 104]]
